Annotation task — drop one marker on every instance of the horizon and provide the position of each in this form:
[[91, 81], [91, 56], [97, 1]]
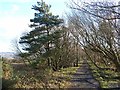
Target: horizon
[[15, 17]]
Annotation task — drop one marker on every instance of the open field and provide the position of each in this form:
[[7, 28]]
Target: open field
[[26, 77]]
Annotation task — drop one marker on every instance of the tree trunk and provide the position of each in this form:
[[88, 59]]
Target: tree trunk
[[116, 64]]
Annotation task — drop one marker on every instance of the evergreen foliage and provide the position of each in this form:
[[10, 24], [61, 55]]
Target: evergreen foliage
[[45, 28]]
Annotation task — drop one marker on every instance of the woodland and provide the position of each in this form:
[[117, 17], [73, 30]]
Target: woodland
[[55, 48]]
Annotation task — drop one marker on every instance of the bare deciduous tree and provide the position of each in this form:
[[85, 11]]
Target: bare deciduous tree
[[96, 28]]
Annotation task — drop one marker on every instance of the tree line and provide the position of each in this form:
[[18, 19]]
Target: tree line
[[49, 43], [92, 32]]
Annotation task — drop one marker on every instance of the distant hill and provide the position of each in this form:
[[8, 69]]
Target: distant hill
[[8, 55]]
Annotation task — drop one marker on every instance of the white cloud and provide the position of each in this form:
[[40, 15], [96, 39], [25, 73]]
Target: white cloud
[[4, 47], [14, 25], [15, 8], [11, 27]]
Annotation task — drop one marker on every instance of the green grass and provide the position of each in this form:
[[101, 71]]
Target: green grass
[[27, 77], [104, 82], [63, 76]]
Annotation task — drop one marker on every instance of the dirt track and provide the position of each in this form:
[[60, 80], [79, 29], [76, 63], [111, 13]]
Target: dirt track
[[83, 78]]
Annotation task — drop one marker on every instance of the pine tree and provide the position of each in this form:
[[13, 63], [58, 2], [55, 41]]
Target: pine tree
[[44, 26]]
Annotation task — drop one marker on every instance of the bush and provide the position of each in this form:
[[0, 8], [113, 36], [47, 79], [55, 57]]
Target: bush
[[7, 74], [7, 69]]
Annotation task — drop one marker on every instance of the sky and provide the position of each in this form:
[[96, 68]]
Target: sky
[[15, 17]]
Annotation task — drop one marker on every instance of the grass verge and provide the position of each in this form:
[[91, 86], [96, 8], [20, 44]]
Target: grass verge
[[27, 77], [106, 78]]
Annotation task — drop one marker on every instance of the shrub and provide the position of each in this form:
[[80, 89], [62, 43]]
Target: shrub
[[7, 74]]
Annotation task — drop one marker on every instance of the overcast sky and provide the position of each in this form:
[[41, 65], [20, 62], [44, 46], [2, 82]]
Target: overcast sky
[[15, 16]]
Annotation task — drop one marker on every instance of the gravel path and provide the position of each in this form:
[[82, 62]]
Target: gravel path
[[83, 78]]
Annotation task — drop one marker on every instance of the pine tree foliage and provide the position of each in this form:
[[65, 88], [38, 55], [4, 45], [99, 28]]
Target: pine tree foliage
[[45, 27]]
